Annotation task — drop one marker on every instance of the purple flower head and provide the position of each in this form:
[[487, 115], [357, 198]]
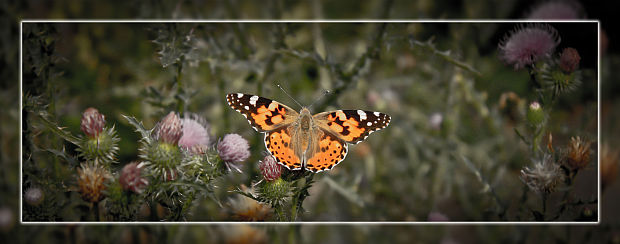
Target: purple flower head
[[195, 133], [233, 148], [557, 10], [131, 178], [34, 196], [269, 168], [92, 122], [569, 60], [528, 44], [169, 129]]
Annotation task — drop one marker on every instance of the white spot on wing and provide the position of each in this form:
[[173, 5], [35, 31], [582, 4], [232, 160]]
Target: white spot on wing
[[247, 108], [239, 95], [369, 123], [253, 100], [377, 114], [362, 115]]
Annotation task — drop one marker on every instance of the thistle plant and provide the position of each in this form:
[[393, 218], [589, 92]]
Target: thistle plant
[[180, 165], [551, 75]]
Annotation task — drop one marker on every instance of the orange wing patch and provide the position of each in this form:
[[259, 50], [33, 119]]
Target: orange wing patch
[[266, 117], [352, 126], [278, 142], [331, 152], [347, 127]]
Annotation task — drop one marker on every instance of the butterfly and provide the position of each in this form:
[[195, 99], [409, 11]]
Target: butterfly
[[304, 141]]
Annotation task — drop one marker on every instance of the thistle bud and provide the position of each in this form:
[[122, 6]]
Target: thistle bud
[[34, 196], [91, 182], [269, 168], [170, 129], [275, 192], [92, 122], [163, 155], [100, 143], [535, 115], [569, 60], [578, 155], [131, 178], [233, 148]]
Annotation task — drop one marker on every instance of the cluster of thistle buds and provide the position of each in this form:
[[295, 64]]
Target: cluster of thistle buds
[[98, 148], [547, 173]]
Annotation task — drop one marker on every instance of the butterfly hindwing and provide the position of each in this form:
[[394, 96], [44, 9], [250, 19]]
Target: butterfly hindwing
[[352, 126], [331, 151], [263, 114], [279, 143]]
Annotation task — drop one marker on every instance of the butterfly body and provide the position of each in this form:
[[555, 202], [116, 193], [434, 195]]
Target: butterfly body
[[302, 140]]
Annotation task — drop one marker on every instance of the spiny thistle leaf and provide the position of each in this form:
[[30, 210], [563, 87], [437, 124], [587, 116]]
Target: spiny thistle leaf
[[63, 154], [52, 126], [146, 134]]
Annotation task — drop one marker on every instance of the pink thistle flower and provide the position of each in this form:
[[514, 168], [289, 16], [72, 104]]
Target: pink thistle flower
[[526, 45], [233, 148], [269, 168], [170, 129], [556, 10], [195, 133], [131, 178], [92, 122]]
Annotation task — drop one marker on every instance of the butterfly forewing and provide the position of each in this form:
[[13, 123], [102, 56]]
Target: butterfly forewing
[[262, 113], [352, 126]]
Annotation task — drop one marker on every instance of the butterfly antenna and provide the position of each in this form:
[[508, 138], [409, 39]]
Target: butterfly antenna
[[289, 95], [325, 92]]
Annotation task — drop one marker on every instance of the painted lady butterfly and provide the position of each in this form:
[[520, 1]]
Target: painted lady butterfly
[[300, 140]]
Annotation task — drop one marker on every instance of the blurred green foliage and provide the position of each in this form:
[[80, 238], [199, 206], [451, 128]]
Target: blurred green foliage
[[410, 71]]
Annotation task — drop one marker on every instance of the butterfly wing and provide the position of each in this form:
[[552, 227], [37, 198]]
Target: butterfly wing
[[278, 142], [352, 126], [331, 150], [273, 118], [263, 114]]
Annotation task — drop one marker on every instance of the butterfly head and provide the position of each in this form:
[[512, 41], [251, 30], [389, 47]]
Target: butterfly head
[[305, 117]]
